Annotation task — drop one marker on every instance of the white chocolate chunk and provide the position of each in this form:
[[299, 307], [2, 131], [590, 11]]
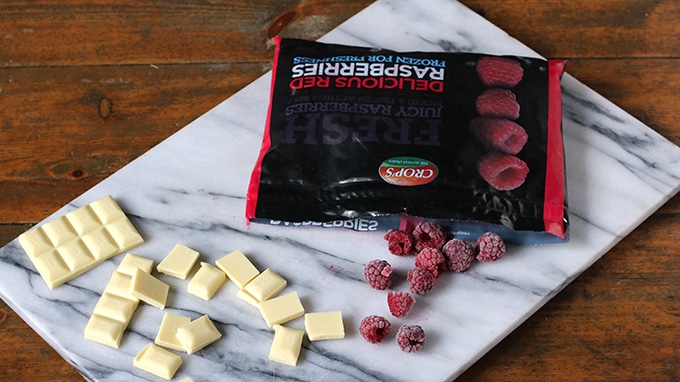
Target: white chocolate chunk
[[166, 336], [243, 295], [179, 262], [69, 245], [187, 379], [207, 280], [324, 325], [157, 361], [265, 285], [131, 262], [286, 345], [115, 307], [149, 289], [238, 268], [197, 334], [281, 309], [104, 330]]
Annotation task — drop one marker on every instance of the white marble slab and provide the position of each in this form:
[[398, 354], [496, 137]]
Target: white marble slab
[[191, 189]]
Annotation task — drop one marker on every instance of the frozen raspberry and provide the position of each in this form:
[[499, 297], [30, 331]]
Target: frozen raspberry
[[459, 255], [378, 274], [431, 259], [498, 103], [490, 247], [399, 243], [499, 71], [499, 134], [502, 171], [420, 280], [374, 328], [400, 303], [427, 234], [410, 338]]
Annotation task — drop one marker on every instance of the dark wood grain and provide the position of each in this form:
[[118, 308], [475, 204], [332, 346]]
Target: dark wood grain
[[86, 87]]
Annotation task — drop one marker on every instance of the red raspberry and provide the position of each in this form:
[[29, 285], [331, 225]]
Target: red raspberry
[[502, 171], [400, 303], [410, 338], [428, 234], [499, 71], [498, 103], [374, 328], [499, 134], [378, 274], [490, 247], [431, 259], [399, 243], [459, 255], [420, 280]]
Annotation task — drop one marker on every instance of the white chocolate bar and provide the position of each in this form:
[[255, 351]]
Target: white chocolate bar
[[207, 280], [197, 334], [149, 289], [286, 345], [324, 325], [67, 246], [167, 333], [238, 268], [178, 262], [157, 361], [281, 309], [265, 285]]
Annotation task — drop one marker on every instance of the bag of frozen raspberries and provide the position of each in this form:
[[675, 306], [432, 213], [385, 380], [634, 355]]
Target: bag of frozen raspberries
[[373, 139]]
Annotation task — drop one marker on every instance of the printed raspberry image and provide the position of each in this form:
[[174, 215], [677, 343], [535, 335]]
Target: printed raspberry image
[[499, 71], [502, 171], [420, 280], [459, 255], [410, 338], [399, 243], [498, 103], [378, 274], [431, 259], [499, 134], [374, 329], [400, 303], [427, 234], [490, 247]]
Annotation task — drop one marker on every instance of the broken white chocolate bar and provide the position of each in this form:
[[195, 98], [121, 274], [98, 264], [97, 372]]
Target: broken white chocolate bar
[[157, 361], [178, 262]]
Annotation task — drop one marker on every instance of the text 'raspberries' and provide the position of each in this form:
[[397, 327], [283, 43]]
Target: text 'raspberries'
[[499, 71], [502, 171]]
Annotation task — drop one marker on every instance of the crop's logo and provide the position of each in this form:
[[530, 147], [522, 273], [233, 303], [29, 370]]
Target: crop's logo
[[408, 171]]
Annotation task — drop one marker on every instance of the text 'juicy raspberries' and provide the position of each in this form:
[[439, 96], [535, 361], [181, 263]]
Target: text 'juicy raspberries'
[[459, 255], [378, 274], [427, 234], [400, 303], [431, 259], [420, 280], [399, 243], [374, 328], [499, 71], [490, 247], [411, 338], [502, 171], [499, 134]]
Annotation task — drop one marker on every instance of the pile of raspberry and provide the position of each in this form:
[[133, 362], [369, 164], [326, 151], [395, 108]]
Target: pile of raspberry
[[434, 255], [496, 128]]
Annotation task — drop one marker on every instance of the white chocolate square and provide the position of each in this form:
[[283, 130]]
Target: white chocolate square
[[265, 285], [34, 242], [59, 231], [157, 361], [52, 268], [76, 255], [124, 234], [115, 307], [324, 325], [83, 220], [286, 345], [131, 262], [100, 244], [281, 309], [243, 295], [167, 336], [178, 262], [238, 268], [149, 289], [106, 209], [207, 280], [197, 334], [104, 330], [119, 284]]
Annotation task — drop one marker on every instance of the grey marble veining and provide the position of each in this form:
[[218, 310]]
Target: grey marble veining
[[191, 188]]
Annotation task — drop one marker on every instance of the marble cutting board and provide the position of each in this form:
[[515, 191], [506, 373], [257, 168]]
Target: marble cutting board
[[191, 188]]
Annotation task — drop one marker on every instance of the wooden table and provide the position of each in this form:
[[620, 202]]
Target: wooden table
[[87, 87]]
